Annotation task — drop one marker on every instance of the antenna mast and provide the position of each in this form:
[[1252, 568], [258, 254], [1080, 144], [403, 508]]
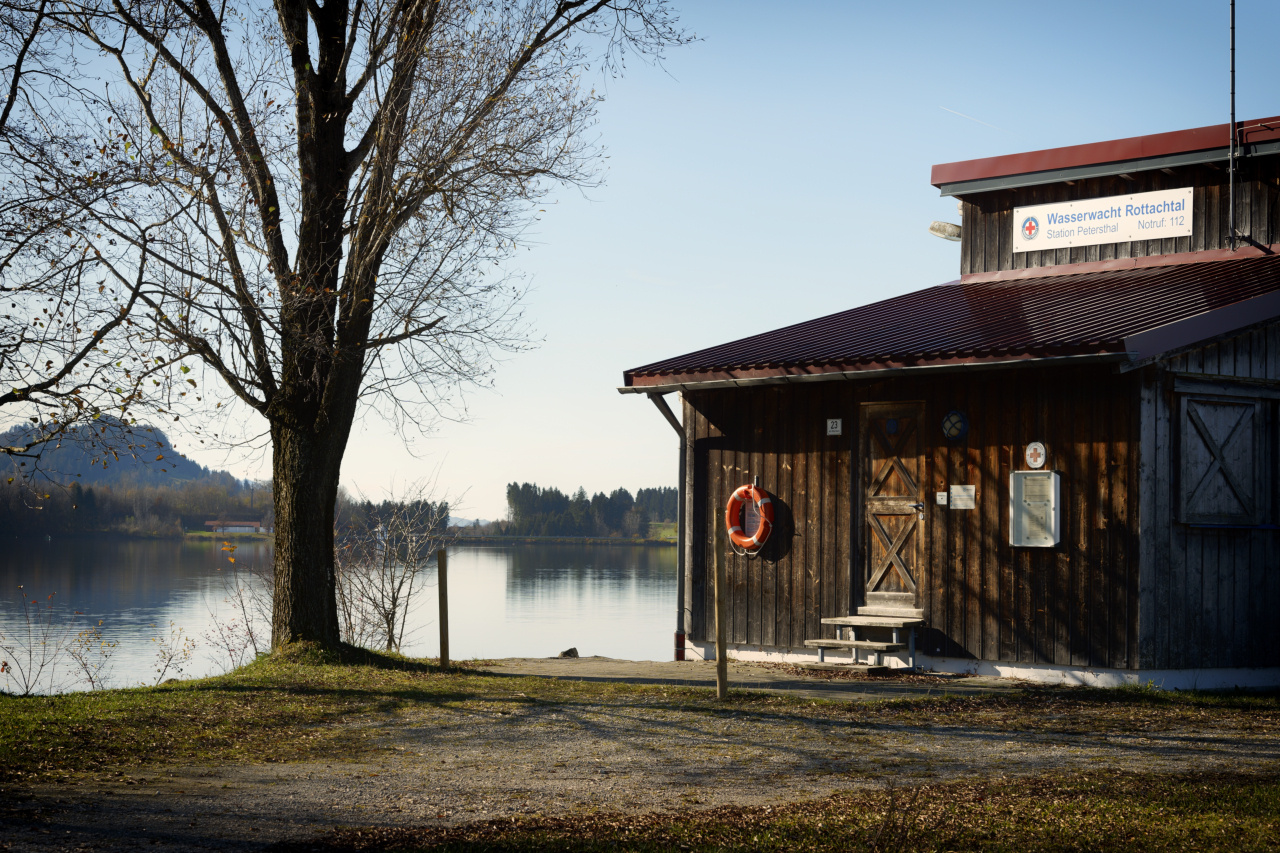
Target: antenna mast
[[1231, 155]]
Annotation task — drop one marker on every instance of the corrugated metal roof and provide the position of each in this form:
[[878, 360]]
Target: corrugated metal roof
[[1027, 318]]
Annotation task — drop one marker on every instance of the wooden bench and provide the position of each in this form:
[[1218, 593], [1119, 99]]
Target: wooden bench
[[895, 625], [870, 645]]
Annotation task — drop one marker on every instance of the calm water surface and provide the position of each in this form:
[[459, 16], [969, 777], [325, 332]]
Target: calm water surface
[[504, 601]]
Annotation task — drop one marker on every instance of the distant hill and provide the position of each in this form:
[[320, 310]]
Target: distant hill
[[455, 521], [105, 453]]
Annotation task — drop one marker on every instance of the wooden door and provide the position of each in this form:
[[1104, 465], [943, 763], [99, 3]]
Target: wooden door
[[892, 483]]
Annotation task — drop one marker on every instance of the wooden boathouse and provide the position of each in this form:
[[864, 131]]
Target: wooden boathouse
[[1062, 466]]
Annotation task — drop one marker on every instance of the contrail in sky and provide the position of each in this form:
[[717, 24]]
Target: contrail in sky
[[971, 118]]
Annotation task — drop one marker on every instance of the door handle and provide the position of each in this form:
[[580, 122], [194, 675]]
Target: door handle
[[917, 505]]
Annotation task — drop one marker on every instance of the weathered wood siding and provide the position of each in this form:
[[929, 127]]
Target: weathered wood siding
[[1210, 592], [986, 242], [982, 598]]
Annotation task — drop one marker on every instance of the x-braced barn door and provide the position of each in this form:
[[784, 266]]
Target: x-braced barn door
[[892, 481]]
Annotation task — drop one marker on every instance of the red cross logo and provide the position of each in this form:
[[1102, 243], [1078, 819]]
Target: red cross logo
[[1030, 228]]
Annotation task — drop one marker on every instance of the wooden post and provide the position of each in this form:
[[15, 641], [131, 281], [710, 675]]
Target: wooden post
[[442, 573], [722, 657]]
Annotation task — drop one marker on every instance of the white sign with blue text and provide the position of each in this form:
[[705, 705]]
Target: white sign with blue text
[[1118, 219]]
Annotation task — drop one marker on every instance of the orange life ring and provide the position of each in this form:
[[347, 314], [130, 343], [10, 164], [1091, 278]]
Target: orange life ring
[[733, 517]]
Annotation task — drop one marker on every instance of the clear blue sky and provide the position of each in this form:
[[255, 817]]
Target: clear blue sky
[[778, 170]]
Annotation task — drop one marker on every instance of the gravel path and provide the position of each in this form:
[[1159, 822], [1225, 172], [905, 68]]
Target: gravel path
[[444, 764]]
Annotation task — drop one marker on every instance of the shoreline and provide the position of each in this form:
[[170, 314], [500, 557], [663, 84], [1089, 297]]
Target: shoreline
[[205, 536], [557, 540]]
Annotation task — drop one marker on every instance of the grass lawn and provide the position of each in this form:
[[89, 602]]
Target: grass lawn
[[1095, 812], [662, 530], [205, 534], [301, 705]]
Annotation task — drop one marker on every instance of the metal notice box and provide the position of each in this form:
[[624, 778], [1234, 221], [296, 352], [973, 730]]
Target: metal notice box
[[1034, 514]]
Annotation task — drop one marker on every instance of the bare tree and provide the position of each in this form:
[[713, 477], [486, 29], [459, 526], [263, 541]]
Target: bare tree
[[31, 652], [381, 556], [314, 200], [66, 289], [244, 632], [91, 652]]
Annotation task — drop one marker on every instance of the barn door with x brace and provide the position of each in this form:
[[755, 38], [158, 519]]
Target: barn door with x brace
[[892, 484]]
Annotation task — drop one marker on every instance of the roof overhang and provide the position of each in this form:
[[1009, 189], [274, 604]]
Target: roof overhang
[[1146, 347], [793, 376], [1099, 159]]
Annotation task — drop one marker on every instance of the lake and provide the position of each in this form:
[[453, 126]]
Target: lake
[[176, 598]]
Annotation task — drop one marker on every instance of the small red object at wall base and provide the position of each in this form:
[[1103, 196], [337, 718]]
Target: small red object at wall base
[[679, 645]]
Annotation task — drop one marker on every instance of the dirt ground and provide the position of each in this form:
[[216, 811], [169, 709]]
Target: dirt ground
[[452, 765]]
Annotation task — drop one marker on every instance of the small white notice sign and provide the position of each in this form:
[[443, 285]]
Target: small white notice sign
[[835, 426], [942, 498], [964, 497], [1034, 515], [1114, 219]]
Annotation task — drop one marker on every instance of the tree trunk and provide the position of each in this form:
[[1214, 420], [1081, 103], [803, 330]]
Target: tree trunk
[[305, 468]]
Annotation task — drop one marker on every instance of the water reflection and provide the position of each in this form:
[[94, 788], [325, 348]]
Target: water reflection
[[527, 600]]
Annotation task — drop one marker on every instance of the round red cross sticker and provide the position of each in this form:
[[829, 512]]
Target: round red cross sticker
[[1035, 455]]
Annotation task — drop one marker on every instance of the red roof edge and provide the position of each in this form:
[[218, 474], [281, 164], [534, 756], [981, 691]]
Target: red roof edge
[[1111, 151], [730, 375], [1180, 258]]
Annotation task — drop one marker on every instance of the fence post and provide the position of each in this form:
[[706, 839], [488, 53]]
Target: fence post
[[442, 574], [722, 656]]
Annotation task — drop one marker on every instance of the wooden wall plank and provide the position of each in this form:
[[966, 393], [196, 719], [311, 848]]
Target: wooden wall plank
[[1213, 213], [1059, 590], [813, 428], [1273, 351], [973, 578], [785, 570], [754, 466], [1082, 486], [1227, 357], [800, 497], [991, 501], [768, 565], [844, 517], [957, 592], [1236, 632], [1197, 593], [1224, 606], [1271, 638], [1005, 439], [1198, 224], [1133, 506], [1004, 237], [1152, 590], [1175, 619], [828, 568], [1103, 419], [695, 535], [938, 587], [1121, 564]]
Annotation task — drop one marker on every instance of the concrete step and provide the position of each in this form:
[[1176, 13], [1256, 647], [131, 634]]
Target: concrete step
[[856, 644], [872, 622]]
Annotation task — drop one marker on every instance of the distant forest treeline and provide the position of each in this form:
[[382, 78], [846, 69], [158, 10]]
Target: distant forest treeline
[[534, 511], [131, 482], [130, 506]]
